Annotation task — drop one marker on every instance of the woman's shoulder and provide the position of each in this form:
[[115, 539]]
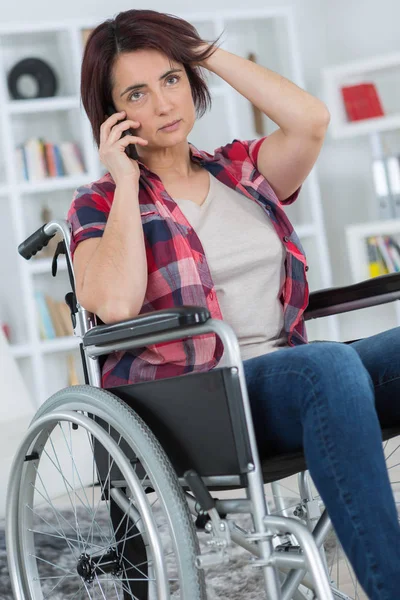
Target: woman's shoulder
[[97, 194], [104, 186]]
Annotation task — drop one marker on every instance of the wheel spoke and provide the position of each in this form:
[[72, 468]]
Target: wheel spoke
[[80, 518], [86, 507], [74, 468], [56, 513]]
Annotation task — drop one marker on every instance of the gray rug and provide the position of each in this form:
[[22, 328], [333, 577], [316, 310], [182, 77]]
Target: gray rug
[[235, 581]]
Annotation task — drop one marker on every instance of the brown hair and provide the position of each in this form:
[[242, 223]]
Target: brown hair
[[133, 30]]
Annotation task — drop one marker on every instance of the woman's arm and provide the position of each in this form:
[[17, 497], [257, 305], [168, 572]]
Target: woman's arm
[[286, 156], [111, 271]]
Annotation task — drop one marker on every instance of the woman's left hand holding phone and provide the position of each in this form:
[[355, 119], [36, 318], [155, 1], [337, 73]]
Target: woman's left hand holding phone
[[114, 139]]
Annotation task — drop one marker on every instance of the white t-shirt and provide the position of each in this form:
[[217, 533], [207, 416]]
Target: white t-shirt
[[247, 263]]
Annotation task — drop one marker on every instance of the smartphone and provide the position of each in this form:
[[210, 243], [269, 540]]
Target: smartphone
[[130, 150]]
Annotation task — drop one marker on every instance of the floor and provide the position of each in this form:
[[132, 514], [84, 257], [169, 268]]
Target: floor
[[289, 488]]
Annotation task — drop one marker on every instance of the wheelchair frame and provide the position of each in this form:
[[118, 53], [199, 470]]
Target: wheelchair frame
[[273, 561]]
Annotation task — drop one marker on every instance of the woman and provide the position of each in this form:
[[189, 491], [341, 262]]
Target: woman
[[173, 228]]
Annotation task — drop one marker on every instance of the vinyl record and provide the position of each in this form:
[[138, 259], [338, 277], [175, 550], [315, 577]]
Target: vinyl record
[[41, 74]]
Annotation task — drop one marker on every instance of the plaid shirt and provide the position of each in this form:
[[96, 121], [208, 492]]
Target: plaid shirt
[[178, 273]]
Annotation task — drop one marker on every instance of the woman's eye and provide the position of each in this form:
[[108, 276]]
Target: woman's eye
[[133, 96], [173, 77]]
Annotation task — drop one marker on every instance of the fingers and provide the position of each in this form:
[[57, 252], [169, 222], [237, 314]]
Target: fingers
[[132, 139], [116, 123], [112, 129]]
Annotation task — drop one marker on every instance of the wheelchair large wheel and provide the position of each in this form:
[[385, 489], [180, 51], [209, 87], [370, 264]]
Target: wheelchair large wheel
[[290, 502], [96, 510]]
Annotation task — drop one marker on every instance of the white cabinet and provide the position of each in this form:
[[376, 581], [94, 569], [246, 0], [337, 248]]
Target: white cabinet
[[269, 34]]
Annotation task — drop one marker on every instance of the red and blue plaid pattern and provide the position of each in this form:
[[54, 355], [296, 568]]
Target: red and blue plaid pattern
[[178, 273]]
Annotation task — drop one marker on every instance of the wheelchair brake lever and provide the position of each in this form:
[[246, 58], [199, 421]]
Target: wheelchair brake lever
[[59, 250]]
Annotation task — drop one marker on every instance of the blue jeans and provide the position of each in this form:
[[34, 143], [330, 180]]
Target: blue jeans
[[330, 399]]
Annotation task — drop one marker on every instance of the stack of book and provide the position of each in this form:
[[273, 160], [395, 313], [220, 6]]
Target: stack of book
[[37, 159], [383, 255], [362, 101], [54, 318]]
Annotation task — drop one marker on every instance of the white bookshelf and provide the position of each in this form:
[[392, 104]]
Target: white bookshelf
[[270, 34], [356, 237], [384, 72]]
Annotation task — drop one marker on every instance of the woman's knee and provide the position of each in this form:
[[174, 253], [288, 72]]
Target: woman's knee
[[339, 367], [323, 356]]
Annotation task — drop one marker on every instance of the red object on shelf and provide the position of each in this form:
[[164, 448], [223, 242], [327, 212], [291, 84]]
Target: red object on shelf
[[362, 101], [6, 330]]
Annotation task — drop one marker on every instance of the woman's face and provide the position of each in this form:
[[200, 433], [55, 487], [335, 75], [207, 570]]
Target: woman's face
[[154, 91]]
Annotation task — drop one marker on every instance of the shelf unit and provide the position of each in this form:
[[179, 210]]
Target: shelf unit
[[270, 34], [378, 69], [356, 236], [384, 71]]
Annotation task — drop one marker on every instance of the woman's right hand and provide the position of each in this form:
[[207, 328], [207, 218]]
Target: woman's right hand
[[112, 147]]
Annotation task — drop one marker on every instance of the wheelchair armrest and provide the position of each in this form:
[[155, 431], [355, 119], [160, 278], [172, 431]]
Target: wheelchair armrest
[[378, 290], [146, 324]]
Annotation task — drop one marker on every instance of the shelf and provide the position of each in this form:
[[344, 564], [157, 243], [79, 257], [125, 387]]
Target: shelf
[[366, 127], [60, 344], [383, 71], [356, 244], [20, 350], [42, 104], [363, 230], [54, 183]]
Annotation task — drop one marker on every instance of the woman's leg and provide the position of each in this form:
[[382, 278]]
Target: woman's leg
[[321, 397], [380, 355]]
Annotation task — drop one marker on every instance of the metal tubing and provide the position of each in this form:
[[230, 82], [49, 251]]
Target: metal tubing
[[234, 506], [322, 528], [223, 481], [278, 499], [305, 538]]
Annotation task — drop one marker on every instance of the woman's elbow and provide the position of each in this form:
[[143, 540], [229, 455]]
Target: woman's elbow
[[109, 312]]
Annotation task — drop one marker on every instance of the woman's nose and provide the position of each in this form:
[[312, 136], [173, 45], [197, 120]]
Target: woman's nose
[[162, 103]]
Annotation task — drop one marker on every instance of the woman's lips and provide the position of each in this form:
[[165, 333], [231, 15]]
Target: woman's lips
[[171, 127]]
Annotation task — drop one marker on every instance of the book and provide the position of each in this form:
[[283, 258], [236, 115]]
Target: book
[[394, 253], [21, 163], [361, 101], [43, 160], [65, 316], [72, 165], [73, 378], [387, 259], [374, 266], [58, 160], [51, 161], [55, 316], [46, 328]]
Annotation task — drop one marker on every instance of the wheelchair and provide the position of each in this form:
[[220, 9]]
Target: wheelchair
[[145, 470]]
